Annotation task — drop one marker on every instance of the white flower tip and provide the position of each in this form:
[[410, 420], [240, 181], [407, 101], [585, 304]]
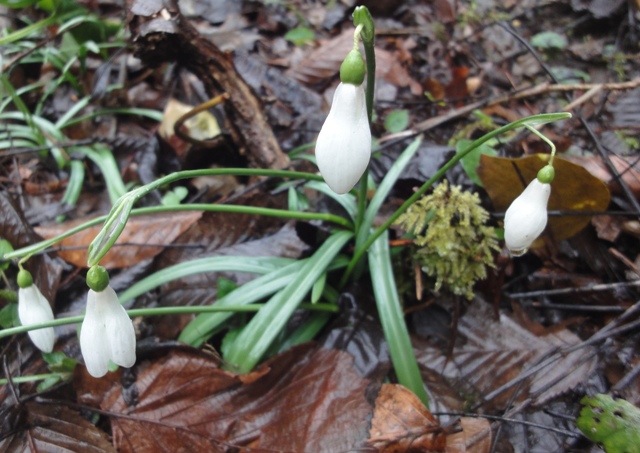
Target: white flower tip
[[343, 148], [34, 308], [526, 218]]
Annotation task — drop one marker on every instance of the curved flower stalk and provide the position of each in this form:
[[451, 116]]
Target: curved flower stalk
[[34, 308], [526, 218], [343, 148], [107, 331]]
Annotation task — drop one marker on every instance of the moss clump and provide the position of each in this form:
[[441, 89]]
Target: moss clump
[[455, 245]]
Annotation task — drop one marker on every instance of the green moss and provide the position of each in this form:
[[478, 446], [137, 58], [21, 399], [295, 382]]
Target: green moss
[[455, 245]]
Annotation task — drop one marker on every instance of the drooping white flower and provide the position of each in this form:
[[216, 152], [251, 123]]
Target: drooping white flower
[[343, 148], [526, 218], [34, 308], [107, 333]]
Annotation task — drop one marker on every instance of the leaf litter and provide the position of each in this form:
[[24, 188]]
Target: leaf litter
[[318, 399]]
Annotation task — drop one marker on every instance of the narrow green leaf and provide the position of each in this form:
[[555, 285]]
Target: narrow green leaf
[[392, 318], [257, 336]]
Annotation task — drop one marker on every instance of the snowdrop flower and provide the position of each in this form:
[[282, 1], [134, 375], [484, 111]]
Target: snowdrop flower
[[343, 148], [107, 331], [526, 218], [34, 308]]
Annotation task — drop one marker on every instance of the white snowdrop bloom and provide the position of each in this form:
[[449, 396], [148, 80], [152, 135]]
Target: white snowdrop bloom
[[34, 308], [526, 218], [343, 148], [107, 333]]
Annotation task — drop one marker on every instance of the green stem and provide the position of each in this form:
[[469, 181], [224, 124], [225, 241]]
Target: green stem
[[32, 378], [362, 18], [532, 120], [196, 207], [546, 140], [160, 311]]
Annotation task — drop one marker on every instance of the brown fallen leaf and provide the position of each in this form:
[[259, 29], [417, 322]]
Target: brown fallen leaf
[[573, 189], [308, 399], [474, 437], [401, 423], [627, 166], [489, 354], [324, 62], [43, 428], [147, 234]]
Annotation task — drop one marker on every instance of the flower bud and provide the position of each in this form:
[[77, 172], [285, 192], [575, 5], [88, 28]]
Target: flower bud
[[34, 308], [526, 218], [343, 148]]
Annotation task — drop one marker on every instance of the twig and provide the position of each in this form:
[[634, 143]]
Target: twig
[[510, 420], [627, 379], [590, 288], [536, 90]]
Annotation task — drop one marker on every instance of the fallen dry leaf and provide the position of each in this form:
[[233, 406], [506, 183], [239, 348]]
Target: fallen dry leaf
[[145, 236], [627, 166], [490, 353], [401, 423], [49, 428], [474, 437], [306, 399]]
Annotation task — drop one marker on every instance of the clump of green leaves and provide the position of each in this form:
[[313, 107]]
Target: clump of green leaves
[[455, 243], [613, 423]]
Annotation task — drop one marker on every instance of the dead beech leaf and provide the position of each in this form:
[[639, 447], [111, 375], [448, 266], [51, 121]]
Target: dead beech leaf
[[324, 62], [627, 166], [401, 423], [307, 399], [573, 189], [146, 236], [43, 428], [490, 353], [474, 437]]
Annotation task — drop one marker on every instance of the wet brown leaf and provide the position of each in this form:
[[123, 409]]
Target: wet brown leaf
[[15, 228], [474, 437], [627, 166], [306, 399], [49, 428], [573, 189], [490, 353], [401, 423], [145, 236]]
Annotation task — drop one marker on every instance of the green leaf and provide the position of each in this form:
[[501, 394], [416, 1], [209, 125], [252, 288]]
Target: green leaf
[[392, 318], [614, 423], [9, 315], [471, 161], [549, 40], [5, 247], [300, 36], [569, 75], [396, 121], [266, 325], [175, 196], [225, 286]]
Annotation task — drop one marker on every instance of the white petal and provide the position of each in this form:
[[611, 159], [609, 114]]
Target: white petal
[[526, 218], [119, 329], [343, 148], [34, 308], [93, 338]]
